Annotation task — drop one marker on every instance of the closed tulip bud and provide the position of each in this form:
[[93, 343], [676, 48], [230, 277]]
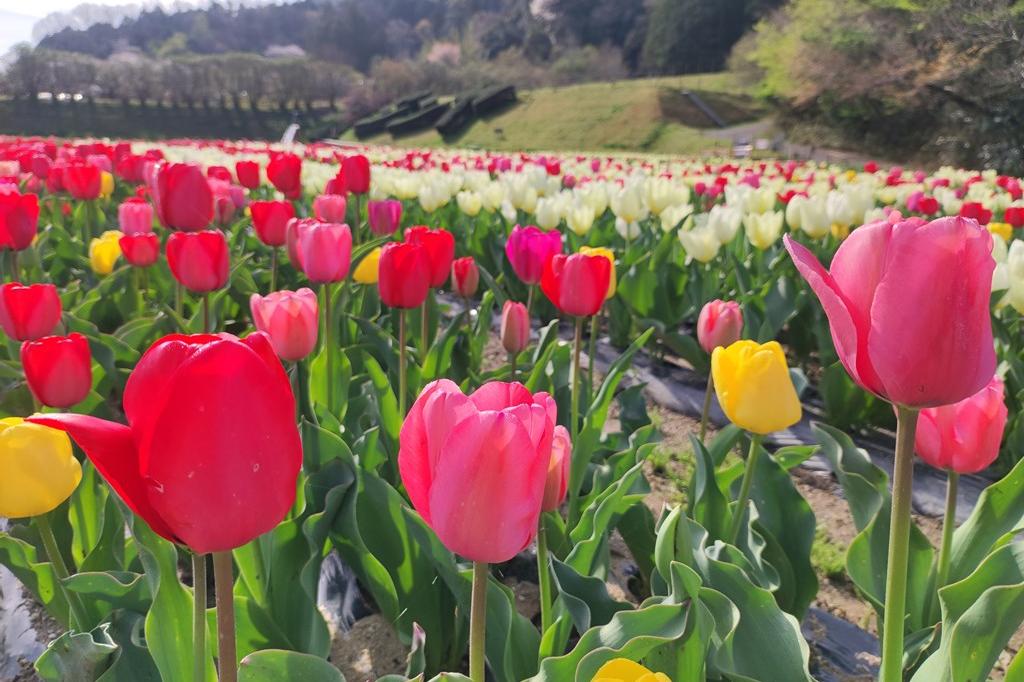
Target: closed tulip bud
[[330, 208], [625, 670], [227, 478], [29, 312], [890, 289], [515, 327], [270, 220], [384, 216], [39, 469], [557, 483], [356, 170], [465, 276], [403, 275], [140, 250], [199, 260], [223, 203], [439, 245], [605, 253], [106, 184], [577, 284], [289, 319], [248, 174], [720, 324], [284, 172], [469, 203], [580, 218], [700, 243], [475, 466], [19, 220], [183, 198], [963, 437], [367, 269], [58, 369], [324, 251], [528, 250], [135, 216], [763, 229], [104, 252], [754, 387], [83, 181]]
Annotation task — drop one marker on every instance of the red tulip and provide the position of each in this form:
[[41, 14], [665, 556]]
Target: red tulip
[[324, 250], [908, 308], [184, 200], [404, 275], [219, 173], [270, 219], [19, 220], [140, 250], [529, 249], [1014, 215], [557, 483], [440, 248], [963, 437], [384, 216], [976, 210], [199, 260], [248, 174], [40, 165], [576, 284], [515, 327], [135, 216], [58, 369], [289, 319], [211, 454], [720, 324], [284, 171], [475, 466], [29, 312], [82, 180], [330, 208], [465, 276], [356, 170]]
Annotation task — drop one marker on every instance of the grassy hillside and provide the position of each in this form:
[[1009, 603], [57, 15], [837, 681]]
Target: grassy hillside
[[646, 115]]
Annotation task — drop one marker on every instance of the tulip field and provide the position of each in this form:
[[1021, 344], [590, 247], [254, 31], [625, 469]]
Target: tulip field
[[225, 365]]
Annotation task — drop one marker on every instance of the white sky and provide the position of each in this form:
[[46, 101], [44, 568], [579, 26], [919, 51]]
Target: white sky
[[40, 8]]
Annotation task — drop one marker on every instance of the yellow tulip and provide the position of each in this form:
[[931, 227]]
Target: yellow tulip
[[37, 469], [366, 271], [1004, 230], [104, 252], [625, 670], [106, 184], [607, 253], [753, 386]]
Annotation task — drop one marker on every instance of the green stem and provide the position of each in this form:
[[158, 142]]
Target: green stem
[[544, 578], [574, 410], [206, 313], [273, 269], [77, 611], [707, 407], [529, 300], [179, 300], [425, 324], [592, 344], [748, 478], [513, 360], [899, 537], [137, 276], [948, 526], [224, 583], [478, 622], [199, 617], [15, 274], [402, 388], [329, 344]]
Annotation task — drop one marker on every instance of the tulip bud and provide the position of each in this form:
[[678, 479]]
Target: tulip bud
[[605, 253], [515, 327], [104, 252], [366, 271], [284, 172], [625, 670], [356, 170], [330, 208], [528, 250], [199, 260], [557, 483], [404, 275], [439, 245], [140, 250], [577, 284], [754, 387], [19, 220], [720, 324], [58, 369], [135, 216], [29, 312], [324, 251], [963, 437], [384, 216], [248, 174], [184, 200], [40, 470], [289, 319], [465, 276], [270, 220]]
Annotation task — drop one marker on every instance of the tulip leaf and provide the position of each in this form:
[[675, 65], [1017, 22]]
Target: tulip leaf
[[131, 662], [76, 656], [104, 592], [338, 359], [708, 504], [865, 486], [20, 557], [439, 357], [599, 518], [585, 597], [274, 665]]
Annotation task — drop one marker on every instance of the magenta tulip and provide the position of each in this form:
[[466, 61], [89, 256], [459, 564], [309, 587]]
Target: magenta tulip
[[529, 249], [384, 216]]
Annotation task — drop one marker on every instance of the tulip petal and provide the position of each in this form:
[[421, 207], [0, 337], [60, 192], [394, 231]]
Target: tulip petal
[[497, 395]]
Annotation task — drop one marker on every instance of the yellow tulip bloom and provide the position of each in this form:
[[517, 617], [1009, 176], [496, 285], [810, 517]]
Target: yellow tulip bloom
[[625, 670], [106, 184], [607, 253], [104, 252], [1004, 230], [754, 387], [366, 271], [37, 469]]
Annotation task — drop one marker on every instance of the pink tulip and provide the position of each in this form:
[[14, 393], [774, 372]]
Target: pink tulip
[[135, 216], [384, 216], [908, 307], [557, 483], [324, 250], [720, 324], [963, 437], [529, 248], [289, 319], [330, 208], [475, 466], [515, 327]]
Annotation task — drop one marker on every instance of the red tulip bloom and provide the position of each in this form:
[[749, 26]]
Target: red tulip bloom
[[440, 248], [384, 216], [284, 171], [403, 275], [82, 180], [269, 219], [184, 200], [219, 173], [976, 210], [576, 284], [19, 220], [58, 369], [1014, 215], [465, 276], [29, 312], [211, 453], [140, 250], [248, 174], [356, 170], [199, 260]]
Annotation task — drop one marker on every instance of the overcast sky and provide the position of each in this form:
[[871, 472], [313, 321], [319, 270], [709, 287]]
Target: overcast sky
[[40, 8]]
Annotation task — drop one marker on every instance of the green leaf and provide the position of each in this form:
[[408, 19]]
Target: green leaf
[[20, 557], [598, 520], [76, 656], [274, 665], [585, 597], [866, 487], [708, 504]]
